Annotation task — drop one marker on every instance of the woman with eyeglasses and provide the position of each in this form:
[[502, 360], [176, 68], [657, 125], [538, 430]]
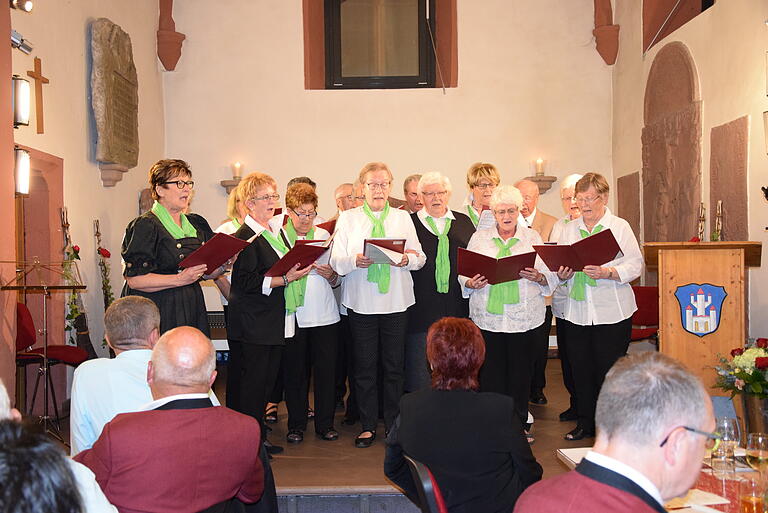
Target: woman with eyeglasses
[[597, 313], [377, 296], [155, 243], [441, 232], [509, 314], [262, 309], [317, 318], [482, 179]]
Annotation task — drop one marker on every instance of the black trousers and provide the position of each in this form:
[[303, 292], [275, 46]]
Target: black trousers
[[592, 351], [316, 348], [258, 370], [539, 377], [344, 363], [378, 337], [278, 391], [565, 363], [508, 366]]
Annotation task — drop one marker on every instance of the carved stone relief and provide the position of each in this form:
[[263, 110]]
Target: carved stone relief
[[728, 177]]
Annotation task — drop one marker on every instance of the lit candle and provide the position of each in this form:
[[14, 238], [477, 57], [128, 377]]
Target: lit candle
[[237, 167], [539, 167]]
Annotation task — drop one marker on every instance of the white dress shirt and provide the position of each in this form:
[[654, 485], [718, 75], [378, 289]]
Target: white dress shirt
[[320, 307], [229, 228], [358, 294], [266, 288], [560, 295], [529, 312], [527, 221], [486, 219], [439, 221], [94, 500], [610, 301], [625, 470], [104, 387]]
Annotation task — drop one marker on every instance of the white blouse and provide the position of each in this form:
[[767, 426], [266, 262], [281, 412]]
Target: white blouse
[[358, 294], [519, 317], [319, 307], [485, 218], [610, 301], [559, 296]]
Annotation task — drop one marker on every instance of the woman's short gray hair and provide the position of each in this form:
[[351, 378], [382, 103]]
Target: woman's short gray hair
[[506, 195], [433, 178], [569, 182]]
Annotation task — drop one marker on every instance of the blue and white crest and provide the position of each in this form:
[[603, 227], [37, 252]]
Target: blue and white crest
[[700, 307]]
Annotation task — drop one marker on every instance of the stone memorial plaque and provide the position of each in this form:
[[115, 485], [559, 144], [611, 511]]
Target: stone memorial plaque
[[729, 145], [115, 100]]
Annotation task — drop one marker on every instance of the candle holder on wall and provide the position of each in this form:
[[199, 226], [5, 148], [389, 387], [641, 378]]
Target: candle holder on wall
[[237, 173], [543, 181]]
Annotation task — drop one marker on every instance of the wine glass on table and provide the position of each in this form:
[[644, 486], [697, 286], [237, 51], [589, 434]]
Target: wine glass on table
[[757, 452]]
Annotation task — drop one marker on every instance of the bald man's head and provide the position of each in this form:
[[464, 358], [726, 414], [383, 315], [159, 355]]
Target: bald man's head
[[530, 192], [183, 361]]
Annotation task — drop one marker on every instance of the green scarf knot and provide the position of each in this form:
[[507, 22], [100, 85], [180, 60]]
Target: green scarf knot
[[442, 262], [580, 279], [378, 273], [503, 293], [236, 223], [294, 293], [472, 215], [177, 232]]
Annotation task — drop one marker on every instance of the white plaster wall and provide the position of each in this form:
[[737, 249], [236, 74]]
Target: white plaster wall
[[59, 32], [530, 84], [728, 43]]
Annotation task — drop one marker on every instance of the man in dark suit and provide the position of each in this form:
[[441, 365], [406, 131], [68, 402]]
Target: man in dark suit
[[654, 421], [165, 458]]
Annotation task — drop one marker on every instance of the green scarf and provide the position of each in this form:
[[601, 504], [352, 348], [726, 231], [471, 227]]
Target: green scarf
[[294, 294], [378, 273], [177, 232], [442, 262], [503, 293], [472, 215], [301, 283], [580, 279], [236, 223]]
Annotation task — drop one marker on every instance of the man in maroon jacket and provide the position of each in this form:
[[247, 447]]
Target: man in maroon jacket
[[181, 453], [654, 420]]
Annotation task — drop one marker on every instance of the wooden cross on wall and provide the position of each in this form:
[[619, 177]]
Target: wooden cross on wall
[[37, 74]]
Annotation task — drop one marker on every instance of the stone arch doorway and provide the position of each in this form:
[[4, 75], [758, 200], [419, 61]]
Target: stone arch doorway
[[671, 140]]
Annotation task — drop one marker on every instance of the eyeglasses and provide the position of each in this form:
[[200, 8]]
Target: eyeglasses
[[181, 183], [310, 215], [713, 439], [437, 194], [510, 211], [348, 197], [485, 185], [381, 186], [588, 201], [273, 197], [567, 198]]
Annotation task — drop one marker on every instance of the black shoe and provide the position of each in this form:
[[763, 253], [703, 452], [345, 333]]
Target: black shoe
[[271, 448], [294, 436], [329, 435], [538, 398], [578, 434], [362, 443], [270, 414], [350, 420], [569, 414]]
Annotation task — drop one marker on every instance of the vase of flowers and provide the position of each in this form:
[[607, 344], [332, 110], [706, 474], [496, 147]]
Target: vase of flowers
[[744, 374]]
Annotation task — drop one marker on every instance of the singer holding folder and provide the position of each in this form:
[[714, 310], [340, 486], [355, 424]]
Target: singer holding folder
[[377, 296], [509, 314], [597, 313], [158, 240]]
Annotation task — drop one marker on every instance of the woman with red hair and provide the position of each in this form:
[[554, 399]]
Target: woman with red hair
[[473, 442]]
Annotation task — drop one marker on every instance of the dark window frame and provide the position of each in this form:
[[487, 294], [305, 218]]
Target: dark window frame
[[333, 78]]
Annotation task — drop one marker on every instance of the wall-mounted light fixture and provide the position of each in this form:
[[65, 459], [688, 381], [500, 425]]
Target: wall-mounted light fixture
[[21, 170], [539, 166], [18, 41], [22, 5], [21, 101], [237, 170]]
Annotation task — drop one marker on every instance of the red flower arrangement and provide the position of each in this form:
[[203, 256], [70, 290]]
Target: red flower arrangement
[[747, 370]]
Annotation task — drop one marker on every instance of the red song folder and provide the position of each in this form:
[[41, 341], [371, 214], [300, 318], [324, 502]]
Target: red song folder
[[596, 249], [328, 226], [384, 250], [495, 270], [217, 250], [303, 254]]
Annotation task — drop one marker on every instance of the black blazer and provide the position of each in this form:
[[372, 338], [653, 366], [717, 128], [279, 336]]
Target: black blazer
[[254, 318], [430, 304], [472, 442]]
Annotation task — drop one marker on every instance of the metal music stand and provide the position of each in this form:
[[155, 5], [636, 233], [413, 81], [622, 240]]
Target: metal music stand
[[43, 278]]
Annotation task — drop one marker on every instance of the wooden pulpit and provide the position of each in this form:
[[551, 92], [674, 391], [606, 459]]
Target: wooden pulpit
[[702, 300]]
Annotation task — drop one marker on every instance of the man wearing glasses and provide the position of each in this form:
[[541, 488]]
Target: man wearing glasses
[[654, 421]]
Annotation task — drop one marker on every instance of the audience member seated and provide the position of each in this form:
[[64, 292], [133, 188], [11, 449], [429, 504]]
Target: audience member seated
[[182, 454], [654, 420], [37, 476], [104, 387], [473, 442]]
